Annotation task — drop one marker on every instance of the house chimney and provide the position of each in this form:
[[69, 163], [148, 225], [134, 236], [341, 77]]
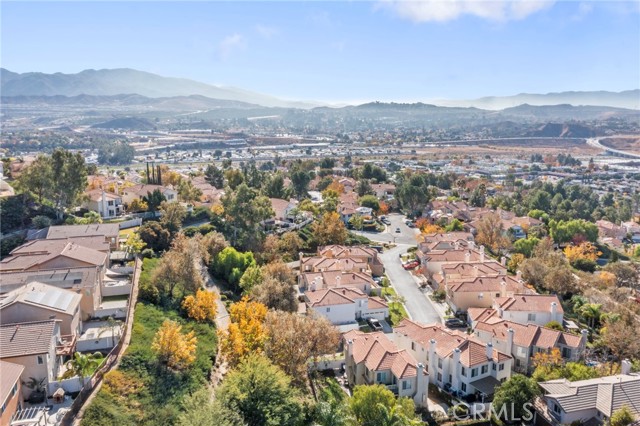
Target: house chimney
[[554, 311], [467, 257], [519, 275], [476, 271], [456, 245], [456, 358], [503, 288], [503, 261], [510, 333], [625, 366], [481, 254], [349, 349], [471, 244], [431, 367], [489, 349]]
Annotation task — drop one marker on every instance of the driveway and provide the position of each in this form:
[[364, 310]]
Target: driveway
[[418, 305]]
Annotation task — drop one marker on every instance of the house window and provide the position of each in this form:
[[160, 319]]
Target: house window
[[463, 371], [463, 387], [556, 408], [501, 367], [413, 346], [450, 378], [566, 353], [497, 294], [480, 295], [381, 377], [439, 362], [531, 317], [328, 309], [484, 369], [406, 384], [474, 372], [110, 203], [493, 366], [40, 360], [439, 377]]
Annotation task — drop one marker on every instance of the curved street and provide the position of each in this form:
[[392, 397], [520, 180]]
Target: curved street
[[419, 306]]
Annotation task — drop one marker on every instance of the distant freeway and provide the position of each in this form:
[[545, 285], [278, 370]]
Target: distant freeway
[[595, 142]]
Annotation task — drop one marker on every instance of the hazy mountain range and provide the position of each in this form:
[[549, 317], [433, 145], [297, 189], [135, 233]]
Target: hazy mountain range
[[124, 81]]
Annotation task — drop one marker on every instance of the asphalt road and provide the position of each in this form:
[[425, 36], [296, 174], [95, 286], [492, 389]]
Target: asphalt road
[[417, 303]]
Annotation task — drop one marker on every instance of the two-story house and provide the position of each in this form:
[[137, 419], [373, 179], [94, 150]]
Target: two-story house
[[481, 292], [539, 309], [333, 279], [39, 302], [11, 396], [138, 192], [523, 341], [34, 346], [367, 254], [590, 401], [109, 205], [345, 305], [371, 358], [455, 361]]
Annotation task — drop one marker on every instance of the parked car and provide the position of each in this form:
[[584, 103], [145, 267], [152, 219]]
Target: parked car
[[374, 324], [385, 221], [455, 323], [411, 264], [398, 230]]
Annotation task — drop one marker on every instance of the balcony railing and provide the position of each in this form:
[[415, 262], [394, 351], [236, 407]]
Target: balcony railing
[[66, 345]]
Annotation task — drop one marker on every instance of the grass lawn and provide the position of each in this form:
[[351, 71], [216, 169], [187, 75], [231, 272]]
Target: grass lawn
[[396, 310]]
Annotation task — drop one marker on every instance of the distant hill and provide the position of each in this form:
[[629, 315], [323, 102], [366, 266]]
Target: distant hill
[[126, 123], [111, 82], [627, 99], [565, 130], [176, 103]]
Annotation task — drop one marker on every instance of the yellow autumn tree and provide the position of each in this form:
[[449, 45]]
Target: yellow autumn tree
[[246, 333], [174, 349], [336, 186], [201, 307], [583, 251]]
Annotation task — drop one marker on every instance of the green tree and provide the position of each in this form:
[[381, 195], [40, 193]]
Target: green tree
[[274, 187], [454, 226], [116, 153], [155, 236], [526, 246], [154, 200], [37, 178], [370, 403], [622, 417], [84, 365], [187, 192], [200, 409], [251, 277], [214, 176], [172, 215], [513, 396], [261, 394], [69, 179], [231, 264], [300, 182], [244, 210], [370, 201]]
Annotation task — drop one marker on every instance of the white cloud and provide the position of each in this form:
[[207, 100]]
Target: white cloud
[[583, 10], [448, 10], [265, 31], [230, 44]]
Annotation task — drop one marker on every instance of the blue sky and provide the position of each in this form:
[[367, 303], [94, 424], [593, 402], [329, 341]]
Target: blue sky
[[337, 50]]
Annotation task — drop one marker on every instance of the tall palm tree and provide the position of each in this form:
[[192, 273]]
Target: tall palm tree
[[84, 365], [591, 312]]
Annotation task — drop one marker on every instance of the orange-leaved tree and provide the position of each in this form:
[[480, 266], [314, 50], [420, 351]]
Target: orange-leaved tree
[[175, 349], [246, 333], [201, 306]]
